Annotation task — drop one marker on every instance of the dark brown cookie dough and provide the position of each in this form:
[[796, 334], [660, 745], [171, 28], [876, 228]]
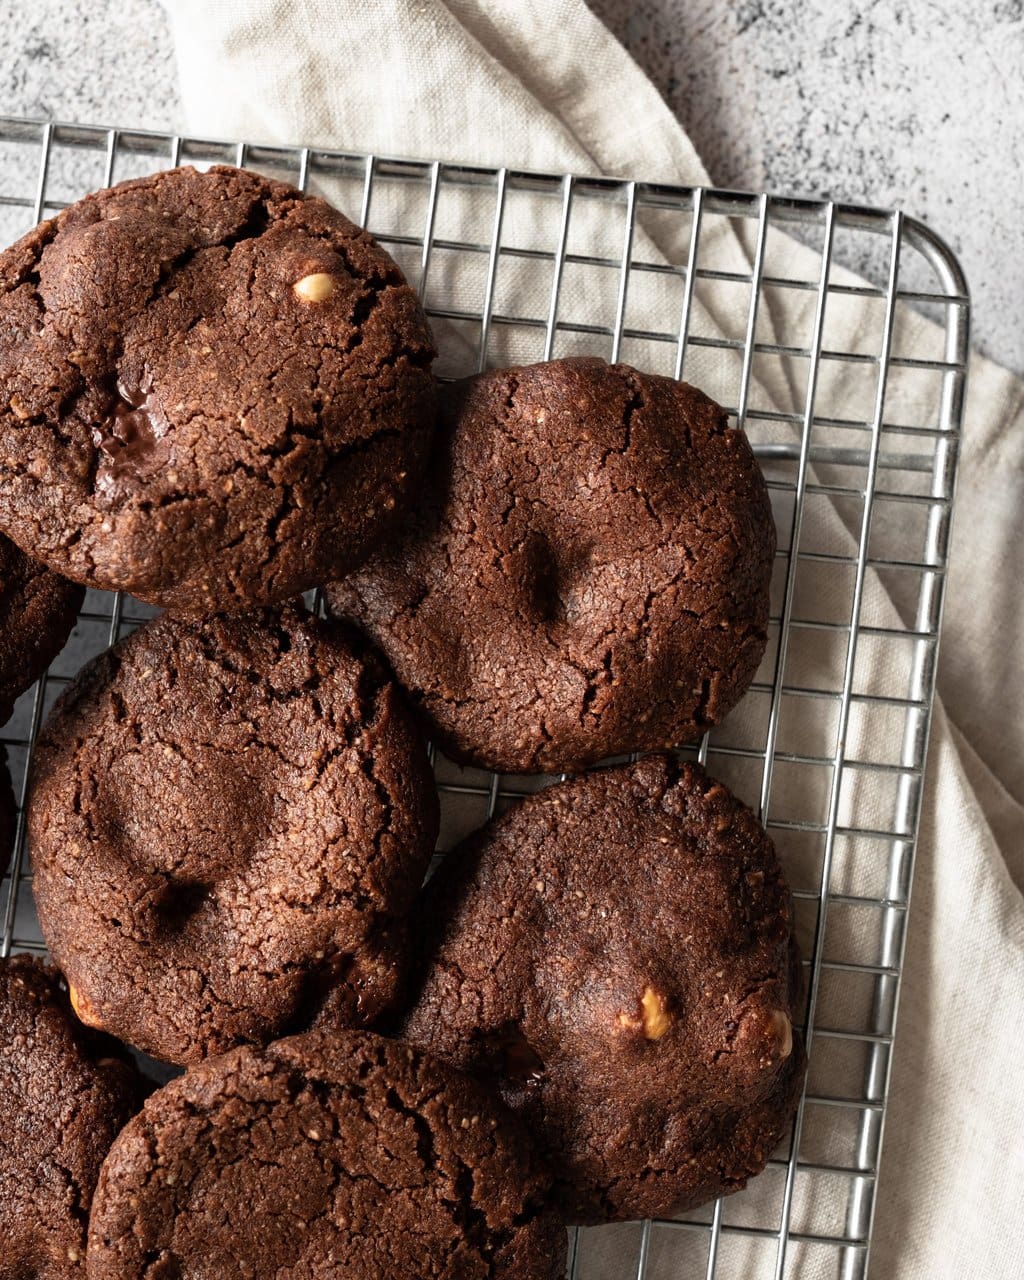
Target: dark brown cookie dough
[[37, 611], [616, 955], [323, 1156], [586, 575], [229, 821], [212, 389], [65, 1092]]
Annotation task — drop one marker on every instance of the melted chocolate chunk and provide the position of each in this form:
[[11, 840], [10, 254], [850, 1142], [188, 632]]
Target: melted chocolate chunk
[[520, 1061], [133, 441]]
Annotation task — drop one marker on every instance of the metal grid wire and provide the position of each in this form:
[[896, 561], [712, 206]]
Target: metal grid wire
[[851, 878]]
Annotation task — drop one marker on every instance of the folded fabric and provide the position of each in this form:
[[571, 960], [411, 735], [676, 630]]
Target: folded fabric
[[541, 84]]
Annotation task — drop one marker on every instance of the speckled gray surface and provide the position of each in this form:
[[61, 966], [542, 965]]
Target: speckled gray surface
[[102, 61], [916, 103]]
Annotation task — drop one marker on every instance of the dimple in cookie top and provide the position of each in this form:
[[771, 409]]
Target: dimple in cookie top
[[229, 821], [586, 573]]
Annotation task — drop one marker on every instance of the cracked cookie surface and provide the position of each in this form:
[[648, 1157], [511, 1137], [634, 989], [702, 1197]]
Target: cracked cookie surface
[[324, 1156], [616, 956], [229, 821], [65, 1092], [37, 611], [211, 388], [586, 573]]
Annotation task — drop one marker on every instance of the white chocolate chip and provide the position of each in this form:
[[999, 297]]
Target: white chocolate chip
[[317, 287]]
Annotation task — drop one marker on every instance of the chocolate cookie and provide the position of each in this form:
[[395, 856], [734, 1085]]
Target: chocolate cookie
[[37, 611], [213, 389], [616, 956], [228, 822], [64, 1094], [323, 1157], [587, 574]]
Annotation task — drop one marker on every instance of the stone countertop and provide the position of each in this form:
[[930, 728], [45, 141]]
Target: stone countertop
[[915, 103], [101, 62]]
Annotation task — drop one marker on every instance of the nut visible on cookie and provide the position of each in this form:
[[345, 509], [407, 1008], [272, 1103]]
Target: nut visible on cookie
[[84, 1011], [782, 1029], [656, 1018], [317, 287], [658, 1013], [143, 501]]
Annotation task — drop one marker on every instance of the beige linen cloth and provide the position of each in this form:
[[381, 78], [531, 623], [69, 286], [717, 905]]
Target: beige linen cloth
[[541, 84]]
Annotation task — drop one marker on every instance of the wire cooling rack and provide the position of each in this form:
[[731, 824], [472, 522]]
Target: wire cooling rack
[[857, 427]]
